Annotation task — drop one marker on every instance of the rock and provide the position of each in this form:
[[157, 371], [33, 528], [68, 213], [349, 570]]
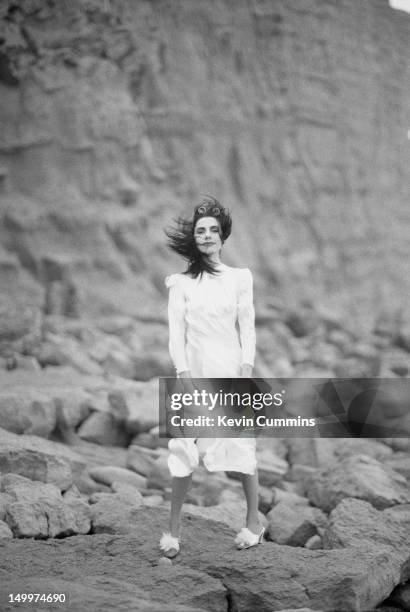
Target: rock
[[120, 363], [321, 452], [20, 328], [114, 513], [69, 352], [391, 410], [72, 493], [116, 325], [294, 525], [301, 475], [398, 444], [232, 514], [153, 500], [119, 492], [356, 523], [39, 510], [141, 400], [153, 361], [26, 363], [39, 459], [96, 592], [361, 477], [4, 500], [345, 447], [399, 365], [159, 477], [275, 347], [363, 350], [210, 489], [95, 455], [72, 407], [271, 468], [110, 474], [103, 428], [88, 486], [150, 440], [340, 338], [400, 463], [48, 354], [27, 412], [5, 531], [266, 499], [358, 367], [403, 338], [314, 542], [266, 577], [140, 459], [289, 498], [165, 561], [324, 355], [126, 491], [303, 322]]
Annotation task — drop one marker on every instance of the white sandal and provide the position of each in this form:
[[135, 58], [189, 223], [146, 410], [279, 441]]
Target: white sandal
[[247, 539], [169, 545]]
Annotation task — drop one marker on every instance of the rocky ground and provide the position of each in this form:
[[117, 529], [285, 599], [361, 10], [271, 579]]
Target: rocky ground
[[114, 118], [84, 489]]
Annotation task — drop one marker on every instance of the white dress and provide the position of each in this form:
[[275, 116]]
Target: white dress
[[203, 339]]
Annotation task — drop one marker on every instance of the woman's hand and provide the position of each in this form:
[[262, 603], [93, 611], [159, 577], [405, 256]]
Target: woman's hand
[[186, 382], [246, 370]]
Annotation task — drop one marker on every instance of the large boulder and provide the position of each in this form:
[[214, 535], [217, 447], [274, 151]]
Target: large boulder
[[361, 477], [27, 412], [103, 428], [265, 578], [294, 524], [103, 593], [115, 513], [356, 524], [38, 510], [39, 459], [230, 513]]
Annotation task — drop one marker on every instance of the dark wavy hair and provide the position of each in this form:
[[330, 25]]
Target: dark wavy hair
[[181, 237]]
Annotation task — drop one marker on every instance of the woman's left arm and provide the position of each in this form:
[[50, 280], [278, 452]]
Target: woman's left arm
[[246, 319]]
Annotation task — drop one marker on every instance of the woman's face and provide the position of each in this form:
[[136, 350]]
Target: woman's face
[[207, 235]]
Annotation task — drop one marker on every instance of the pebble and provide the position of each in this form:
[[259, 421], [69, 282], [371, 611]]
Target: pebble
[[164, 562]]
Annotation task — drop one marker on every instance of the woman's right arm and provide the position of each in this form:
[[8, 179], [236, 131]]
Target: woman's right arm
[[176, 319]]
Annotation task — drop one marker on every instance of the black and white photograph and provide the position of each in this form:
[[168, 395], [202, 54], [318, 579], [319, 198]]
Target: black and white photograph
[[205, 305]]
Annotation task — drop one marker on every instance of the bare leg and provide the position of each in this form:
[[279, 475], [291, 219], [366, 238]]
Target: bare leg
[[250, 487], [180, 486]]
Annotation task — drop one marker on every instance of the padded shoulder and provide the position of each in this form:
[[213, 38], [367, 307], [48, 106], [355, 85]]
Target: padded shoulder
[[245, 276], [174, 279]]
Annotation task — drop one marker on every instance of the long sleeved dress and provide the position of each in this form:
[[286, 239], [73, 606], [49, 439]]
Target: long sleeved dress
[[203, 338]]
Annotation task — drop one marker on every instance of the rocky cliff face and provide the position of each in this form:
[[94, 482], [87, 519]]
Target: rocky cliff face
[[115, 115]]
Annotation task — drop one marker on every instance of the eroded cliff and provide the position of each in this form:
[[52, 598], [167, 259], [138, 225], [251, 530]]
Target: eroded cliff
[[115, 115]]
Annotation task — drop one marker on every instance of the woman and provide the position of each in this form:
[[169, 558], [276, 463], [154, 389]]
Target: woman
[[205, 303]]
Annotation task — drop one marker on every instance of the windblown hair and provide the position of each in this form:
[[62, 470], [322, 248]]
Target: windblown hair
[[181, 237]]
